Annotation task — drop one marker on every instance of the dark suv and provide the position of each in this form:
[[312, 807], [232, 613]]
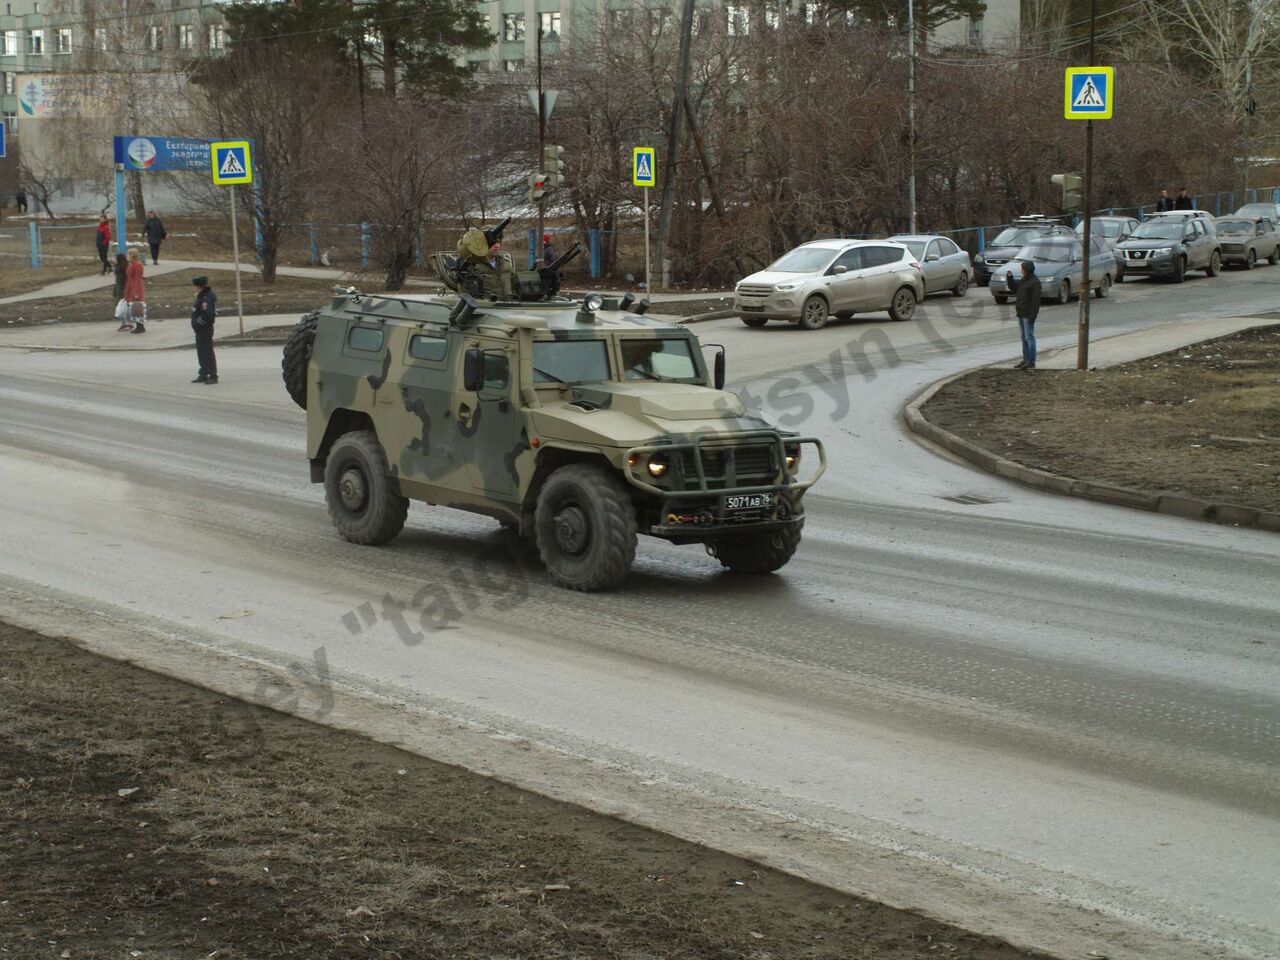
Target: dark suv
[[1010, 240], [1170, 244]]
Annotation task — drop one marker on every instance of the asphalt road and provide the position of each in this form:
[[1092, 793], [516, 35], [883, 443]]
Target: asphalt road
[[1071, 708]]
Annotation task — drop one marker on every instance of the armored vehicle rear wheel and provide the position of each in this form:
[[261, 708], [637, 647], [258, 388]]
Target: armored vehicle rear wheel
[[760, 552], [297, 356], [363, 500], [585, 526]]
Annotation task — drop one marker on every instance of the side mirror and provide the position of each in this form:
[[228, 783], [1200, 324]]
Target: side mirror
[[839, 269], [473, 370], [931, 258], [719, 370]]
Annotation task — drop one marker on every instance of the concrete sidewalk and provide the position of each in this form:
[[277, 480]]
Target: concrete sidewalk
[[102, 335], [1137, 344]]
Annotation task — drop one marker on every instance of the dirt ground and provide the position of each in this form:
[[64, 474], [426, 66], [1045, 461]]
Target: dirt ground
[[142, 817], [1202, 421]]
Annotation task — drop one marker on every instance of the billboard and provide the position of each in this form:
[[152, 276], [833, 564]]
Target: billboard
[[156, 154], [47, 96]]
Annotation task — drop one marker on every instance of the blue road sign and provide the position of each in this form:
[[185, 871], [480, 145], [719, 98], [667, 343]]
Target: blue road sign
[[157, 154], [231, 162], [1089, 93], [2, 141], [643, 173]]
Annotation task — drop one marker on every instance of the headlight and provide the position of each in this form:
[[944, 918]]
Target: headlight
[[979, 259], [784, 287], [657, 465], [592, 302], [793, 457], [1161, 252]]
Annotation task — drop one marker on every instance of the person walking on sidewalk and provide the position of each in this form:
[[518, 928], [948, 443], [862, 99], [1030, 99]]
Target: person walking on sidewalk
[[134, 296], [20, 200], [203, 314], [103, 240], [153, 232], [1028, 308]]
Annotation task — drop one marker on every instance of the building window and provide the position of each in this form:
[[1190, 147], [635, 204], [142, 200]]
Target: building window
[[186, 37], [11, 123], [217, 36], [513, 26], [660, 20], [478, 66], [512, 66], [35, 42], [11, 84], [100, 38], [620, 19], [9, 43], [975, 30], [155, 38], [550, 24], [62, 40], [739, 20]]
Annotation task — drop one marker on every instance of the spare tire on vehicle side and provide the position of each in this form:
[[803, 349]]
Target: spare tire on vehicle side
[[297, 357]]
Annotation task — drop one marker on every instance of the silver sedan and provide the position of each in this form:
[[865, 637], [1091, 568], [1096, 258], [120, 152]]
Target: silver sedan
[[946, 268]]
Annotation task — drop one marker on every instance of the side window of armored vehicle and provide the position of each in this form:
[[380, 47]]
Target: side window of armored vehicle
[[497, 370], [428, 347], [365, 338]]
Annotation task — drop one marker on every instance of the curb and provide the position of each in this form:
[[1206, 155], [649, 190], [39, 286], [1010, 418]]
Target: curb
[[1173, 504], [710, 315]]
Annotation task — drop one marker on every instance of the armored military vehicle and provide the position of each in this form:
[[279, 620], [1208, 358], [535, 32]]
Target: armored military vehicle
[[577, 423]]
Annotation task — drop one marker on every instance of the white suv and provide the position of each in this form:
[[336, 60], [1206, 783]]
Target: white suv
[[840, 277]]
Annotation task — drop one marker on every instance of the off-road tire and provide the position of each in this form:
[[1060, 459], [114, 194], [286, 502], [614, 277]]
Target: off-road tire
[[1250, 259], [962, 285], [1064, 291], [814, 313], [1180, 270], [1119, 274], [844, 315], [1215, 265], [1275, 257], [755, 321], [903, 305], [364, 502], [1104, 288], [760, 552], [585, 528], [1001, 298], [297, 357]]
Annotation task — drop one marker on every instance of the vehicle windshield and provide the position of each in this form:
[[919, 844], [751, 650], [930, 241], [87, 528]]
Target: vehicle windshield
[[804, 260], [1048, 252], [570, 361], [669, 358], [1235, 226], [1100, 228], [1256, 210], [915, 246], [1157, 230], [1016, 236]]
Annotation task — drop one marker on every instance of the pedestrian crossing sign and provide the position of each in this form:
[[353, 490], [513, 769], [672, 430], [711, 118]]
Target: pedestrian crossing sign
[[1090, 93], [643, 164], [232, 163]]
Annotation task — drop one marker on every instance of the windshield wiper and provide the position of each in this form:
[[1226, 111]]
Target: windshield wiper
[[645, 373], [549, 376]]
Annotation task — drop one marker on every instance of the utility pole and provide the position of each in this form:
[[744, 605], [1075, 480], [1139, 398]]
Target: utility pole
[[542, 143], [673, 140], [911, 116], [1082, 338]]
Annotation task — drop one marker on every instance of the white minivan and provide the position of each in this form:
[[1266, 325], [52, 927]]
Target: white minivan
[[832, 277]]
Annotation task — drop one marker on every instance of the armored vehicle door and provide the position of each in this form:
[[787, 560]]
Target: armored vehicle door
[[421, 443], [491, 433]]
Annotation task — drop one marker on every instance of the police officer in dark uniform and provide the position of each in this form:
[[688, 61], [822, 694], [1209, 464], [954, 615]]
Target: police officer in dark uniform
[[203, 314]]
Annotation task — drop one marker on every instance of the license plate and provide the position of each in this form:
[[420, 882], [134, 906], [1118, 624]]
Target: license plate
[[734, 503]]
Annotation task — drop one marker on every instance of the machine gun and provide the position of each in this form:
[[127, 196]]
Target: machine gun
[[461, 274], [550, 274], [494, 235]]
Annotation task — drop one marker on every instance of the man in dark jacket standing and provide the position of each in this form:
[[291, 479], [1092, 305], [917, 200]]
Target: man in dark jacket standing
[[203, 314], [153, 231], [1183, 202], [1165, 203], [1028, 308]]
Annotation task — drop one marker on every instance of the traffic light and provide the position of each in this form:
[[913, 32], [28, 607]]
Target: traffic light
[[537, 186], [1071, 184], [553, 165]]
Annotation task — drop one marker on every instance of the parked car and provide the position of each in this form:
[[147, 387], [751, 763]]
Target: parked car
[[1111, 231], [946, 268], [826, 277], [1169, 244], [1246, 240], [1010, 240], [1269, 210], [1060, 267]]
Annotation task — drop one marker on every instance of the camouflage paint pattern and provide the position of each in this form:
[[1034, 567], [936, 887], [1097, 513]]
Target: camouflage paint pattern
[[399, 361]]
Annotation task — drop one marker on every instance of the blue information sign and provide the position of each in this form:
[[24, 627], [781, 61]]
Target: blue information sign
[[2, 143], [155, 154]]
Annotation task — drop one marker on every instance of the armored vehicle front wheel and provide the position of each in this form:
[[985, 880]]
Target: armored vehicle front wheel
[[758, 552], [297, 357], [585, 527], [363, 500]]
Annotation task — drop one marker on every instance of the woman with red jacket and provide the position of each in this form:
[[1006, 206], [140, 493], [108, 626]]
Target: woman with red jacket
[[134, 296], [103, 240]]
